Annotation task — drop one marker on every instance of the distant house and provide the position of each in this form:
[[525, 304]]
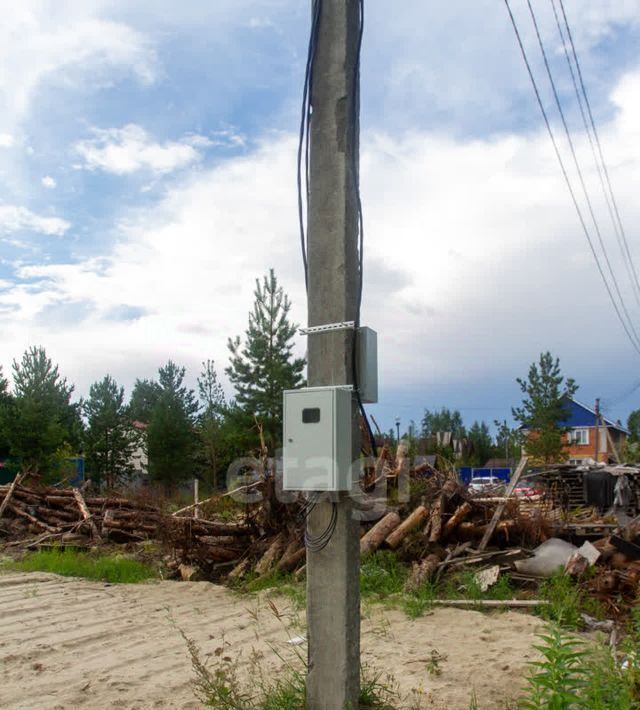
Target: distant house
[[139, 458], [591, 437]]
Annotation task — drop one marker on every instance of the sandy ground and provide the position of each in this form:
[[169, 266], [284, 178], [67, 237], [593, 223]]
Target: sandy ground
[[68, 643]]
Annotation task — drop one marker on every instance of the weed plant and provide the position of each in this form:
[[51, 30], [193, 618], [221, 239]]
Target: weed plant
[[70, 563], [572, 675]]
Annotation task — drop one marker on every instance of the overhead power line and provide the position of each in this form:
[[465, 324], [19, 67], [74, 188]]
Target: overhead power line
[[628, 331], [598, 158], [579, 171]]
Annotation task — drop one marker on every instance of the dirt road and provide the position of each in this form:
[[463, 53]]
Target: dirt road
[[67, 643]]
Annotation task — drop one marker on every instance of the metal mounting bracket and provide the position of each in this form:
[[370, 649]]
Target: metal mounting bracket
[[345, 325]]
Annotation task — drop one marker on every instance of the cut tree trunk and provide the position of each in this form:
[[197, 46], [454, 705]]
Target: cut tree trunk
[[12, 488], [422, 572], [458, 516], [372, 540], [293, 555], [417, 517], [269, 558], [435, 520]]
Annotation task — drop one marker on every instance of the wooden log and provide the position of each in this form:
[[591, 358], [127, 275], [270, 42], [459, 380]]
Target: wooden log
[[372, 540], [458, 516], [417, 517], [86, 514], [217, 553], [210, 527], [43, 512], [294, 554], [7, 499], [422, 572], [239, 570], [269, 558], [501, 506], [34, 521], [435, 520], [513, 603], [228, 540]]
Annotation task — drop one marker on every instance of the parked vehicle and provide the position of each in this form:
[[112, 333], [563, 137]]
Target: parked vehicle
[[487, 485], [528, 490]]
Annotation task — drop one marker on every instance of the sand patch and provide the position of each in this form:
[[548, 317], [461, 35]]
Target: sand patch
[[70, 643]]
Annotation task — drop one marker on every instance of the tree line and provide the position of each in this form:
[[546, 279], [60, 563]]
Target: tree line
[[183, 432]]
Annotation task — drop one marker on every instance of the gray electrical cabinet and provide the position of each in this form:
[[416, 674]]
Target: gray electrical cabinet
[[367, 364], [317, 439]]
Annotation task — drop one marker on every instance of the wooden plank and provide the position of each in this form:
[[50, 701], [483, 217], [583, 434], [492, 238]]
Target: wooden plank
[[514, 603], [501, 506]]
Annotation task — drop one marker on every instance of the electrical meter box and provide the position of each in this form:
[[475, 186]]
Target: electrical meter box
[[317, 439], [367, 364]]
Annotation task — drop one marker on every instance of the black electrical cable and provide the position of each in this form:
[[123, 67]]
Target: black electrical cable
[[579, 171], [612, 204], [356, 179], [566, 176], [303, 139]]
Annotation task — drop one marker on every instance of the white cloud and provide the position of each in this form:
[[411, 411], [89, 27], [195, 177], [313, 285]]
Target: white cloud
[[6, 140], [48, 182], [73, 43], [16, 219], [130, 149], [474, 260]]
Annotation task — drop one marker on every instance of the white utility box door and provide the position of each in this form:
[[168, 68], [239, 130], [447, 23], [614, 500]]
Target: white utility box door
[[317, 439]]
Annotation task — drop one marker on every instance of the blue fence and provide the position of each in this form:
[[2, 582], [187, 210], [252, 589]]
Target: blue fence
[[468, 472]]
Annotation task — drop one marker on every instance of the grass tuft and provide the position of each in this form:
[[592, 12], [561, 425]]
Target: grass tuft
[[70, 563]]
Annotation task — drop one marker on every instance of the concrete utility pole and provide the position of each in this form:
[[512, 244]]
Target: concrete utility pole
[[333, 595]]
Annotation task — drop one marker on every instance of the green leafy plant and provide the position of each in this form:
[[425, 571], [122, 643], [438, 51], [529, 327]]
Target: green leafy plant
[[381, 575], [70, 563], [559, 676], [564, 599]]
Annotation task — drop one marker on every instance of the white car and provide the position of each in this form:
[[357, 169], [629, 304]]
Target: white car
[[486, 484]]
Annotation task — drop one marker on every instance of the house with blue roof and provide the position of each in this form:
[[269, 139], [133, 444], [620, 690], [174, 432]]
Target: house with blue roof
[[591, 436]]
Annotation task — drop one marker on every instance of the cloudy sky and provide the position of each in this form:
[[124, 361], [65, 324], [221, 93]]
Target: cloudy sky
[[147, 177]]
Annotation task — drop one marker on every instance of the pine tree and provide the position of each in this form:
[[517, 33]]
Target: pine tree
[[43, 422], [144, 397], [5, 406], [263, 366], [171, 432], [211, 424], [480, 442], [110, 439], [544, 408]]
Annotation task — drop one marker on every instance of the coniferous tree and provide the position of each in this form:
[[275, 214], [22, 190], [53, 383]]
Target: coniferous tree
[[110, 439], [445, 420], [545, 408], [211, 423], [480, 443], [263, 366], [144, 397], [42, 422], [171, 432], [5, 404]]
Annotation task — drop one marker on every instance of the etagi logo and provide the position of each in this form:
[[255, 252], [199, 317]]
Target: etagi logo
[[366, 483]]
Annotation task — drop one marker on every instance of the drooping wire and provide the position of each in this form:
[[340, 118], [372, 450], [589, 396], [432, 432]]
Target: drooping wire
[[608, 191], [303, 140], [360, 219], [566, 176], [579, 171]]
